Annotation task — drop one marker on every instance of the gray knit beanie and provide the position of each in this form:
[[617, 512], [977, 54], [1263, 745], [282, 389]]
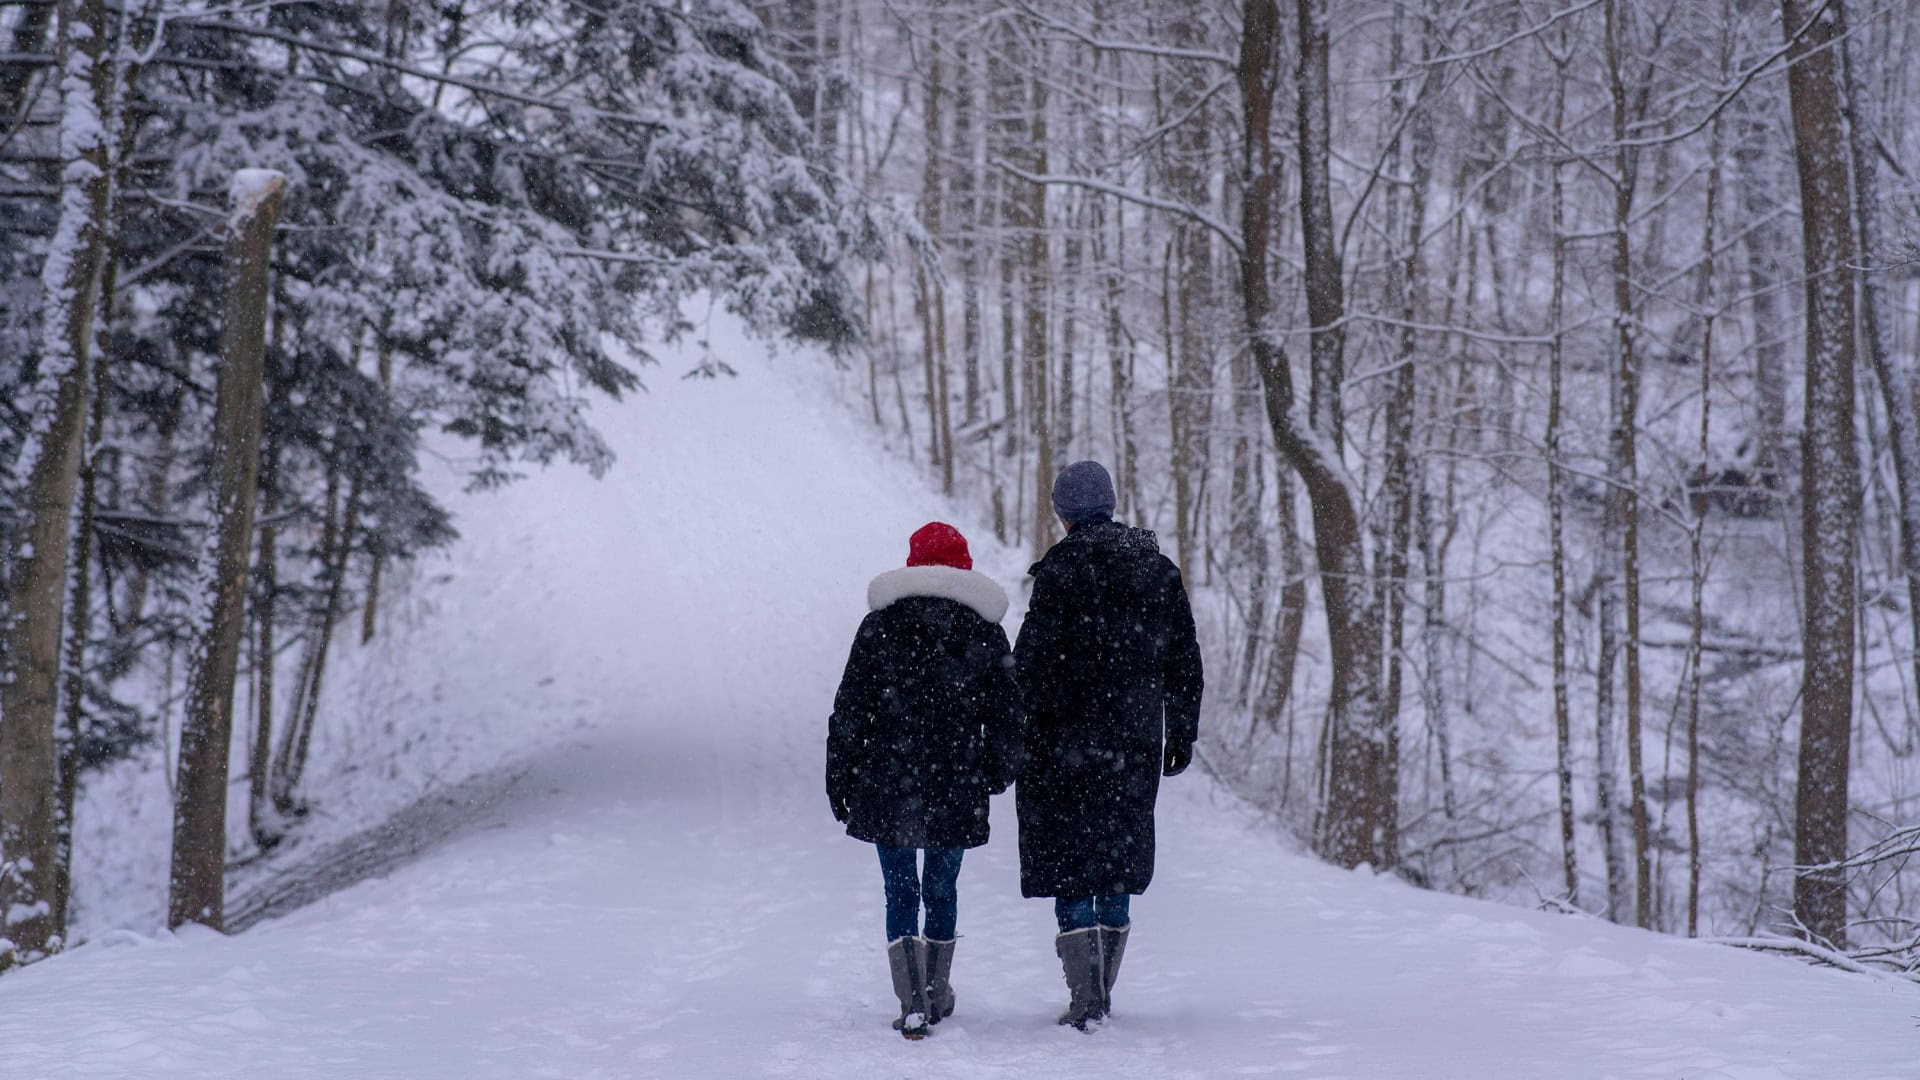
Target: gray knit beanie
[[1083, 492]]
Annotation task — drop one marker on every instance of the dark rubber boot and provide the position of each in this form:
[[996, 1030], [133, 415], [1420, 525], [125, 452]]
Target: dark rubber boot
[[939, 984], [908, 965], [1113, 946], [1079, 952]]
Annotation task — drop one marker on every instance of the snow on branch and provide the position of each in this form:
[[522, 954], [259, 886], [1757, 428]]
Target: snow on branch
[[1817, 953], [1138, 198], [1727, 99], [1140, 48], [1494, 47], [475, 85]]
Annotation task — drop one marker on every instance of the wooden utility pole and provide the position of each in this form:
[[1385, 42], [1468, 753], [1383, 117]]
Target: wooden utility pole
[[197, 886]]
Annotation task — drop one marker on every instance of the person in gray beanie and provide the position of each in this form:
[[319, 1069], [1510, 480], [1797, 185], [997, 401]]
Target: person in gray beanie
[[1109, 667], [1083, 492]]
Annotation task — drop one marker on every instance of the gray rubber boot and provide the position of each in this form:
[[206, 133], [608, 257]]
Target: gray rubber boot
[[939, 985], [906, 961], [1079, 952], [1113, 946]]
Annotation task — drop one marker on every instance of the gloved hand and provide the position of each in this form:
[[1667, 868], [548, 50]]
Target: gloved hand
[[1179, 756], [840, 810]]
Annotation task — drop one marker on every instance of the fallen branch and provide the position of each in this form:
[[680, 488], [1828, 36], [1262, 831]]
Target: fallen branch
[[1817, 953]]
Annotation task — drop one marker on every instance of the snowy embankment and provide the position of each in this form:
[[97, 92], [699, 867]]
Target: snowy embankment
[[665, 895]]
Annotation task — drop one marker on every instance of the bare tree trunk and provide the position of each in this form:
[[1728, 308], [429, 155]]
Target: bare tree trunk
[[941, 422], [1072, 260], [1246, 546], [1891, 371], [1829, 468], [369, 620], [1625, 486], [1037, 286], [945, 412], [1190, 389], [1353, 818], [966, 202], [293, 765], [1696, 556], [1404, 286], [80, 616], [873, 355], [1285, 654], [123, 126], [1356, 814], [198, 880], [1556, 510], [46, 470], [1433, 633], [1005, 143], [1765, 243], [329, 542], [263, 823], [1120, 370], [924, 287], [1326, 296]]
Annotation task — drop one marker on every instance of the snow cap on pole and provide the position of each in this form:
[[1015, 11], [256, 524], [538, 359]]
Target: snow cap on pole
[[249, 188]]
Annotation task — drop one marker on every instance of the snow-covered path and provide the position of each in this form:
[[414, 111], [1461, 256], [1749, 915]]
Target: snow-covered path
[[666, 895]]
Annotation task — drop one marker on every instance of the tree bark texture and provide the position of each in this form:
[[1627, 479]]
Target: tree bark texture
[[1326, 296], [1893, 372], [1625, 449], [197, 882], [1353, 818], [1556, 514], [1766, 246], [1190, 398], [45, 473], [1829, 468], [1036, 287]]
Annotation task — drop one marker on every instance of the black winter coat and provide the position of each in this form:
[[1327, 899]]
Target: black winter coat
[[1106, 658], [927, 722]]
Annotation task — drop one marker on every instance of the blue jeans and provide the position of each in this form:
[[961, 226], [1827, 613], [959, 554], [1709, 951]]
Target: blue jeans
[[907, 886], [1081, 912]]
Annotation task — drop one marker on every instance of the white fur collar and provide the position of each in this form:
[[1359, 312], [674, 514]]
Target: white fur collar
[[975, 590]]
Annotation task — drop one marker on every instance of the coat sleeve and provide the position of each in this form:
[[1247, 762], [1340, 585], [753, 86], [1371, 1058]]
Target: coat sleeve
[[1005, 719], [1036, 653], [1181, 679], [853, 708]]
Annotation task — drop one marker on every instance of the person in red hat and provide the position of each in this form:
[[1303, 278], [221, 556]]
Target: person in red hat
[[926, 725]]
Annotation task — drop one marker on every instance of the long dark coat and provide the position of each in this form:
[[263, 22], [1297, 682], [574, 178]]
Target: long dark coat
[[1106, 658], [927, 723]]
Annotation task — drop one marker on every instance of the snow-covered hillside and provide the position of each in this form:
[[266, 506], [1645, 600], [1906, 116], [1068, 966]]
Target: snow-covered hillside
[[664, 893]]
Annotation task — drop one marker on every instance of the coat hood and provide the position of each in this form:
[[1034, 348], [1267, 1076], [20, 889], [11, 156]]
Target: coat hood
[[967, 587]]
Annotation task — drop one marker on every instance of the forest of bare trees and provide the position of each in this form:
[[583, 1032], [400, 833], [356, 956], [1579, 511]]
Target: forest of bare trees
[[1490, 369], [1524, 387]]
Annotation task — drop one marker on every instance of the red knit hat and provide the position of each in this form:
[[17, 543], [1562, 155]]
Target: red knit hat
[[938, 544]]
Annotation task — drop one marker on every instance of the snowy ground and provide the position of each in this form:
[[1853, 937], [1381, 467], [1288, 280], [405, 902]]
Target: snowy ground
[[665, 895]]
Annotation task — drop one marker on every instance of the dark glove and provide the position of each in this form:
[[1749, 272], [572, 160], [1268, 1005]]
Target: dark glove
[[840, 811], [1179, 756]]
